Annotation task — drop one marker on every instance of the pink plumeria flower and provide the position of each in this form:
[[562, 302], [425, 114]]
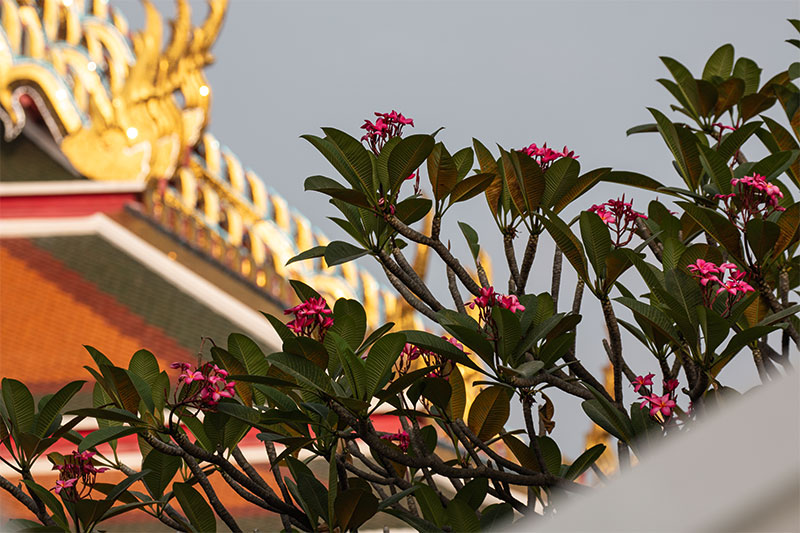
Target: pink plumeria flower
[[670, 385], [663, 404], [642, 381], [64, 484]]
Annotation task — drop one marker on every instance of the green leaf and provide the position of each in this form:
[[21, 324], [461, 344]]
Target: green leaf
[[356, 157], [352, 366], [336, 158], [567, 242], [489, 166], [303, 291], [419, 524], [683, 146], [312, 253], [317, 183], [463, 160], [470, 187], [430, 342], [232, 365], [497, 517], [747, 70], [596, 414], [413, 209], [442, 171], [195, 508], [353, 507], [280, 328], [524, 454], [559, 179], [103, 435], [642, 128], [246, 351], [50, 500], [720, 228], [489, 412], [617, 419], [596, 241], [406, 158], [789, 224], [472, 239], [339, 252], [380, 359], [729, 93], [550, 453], [581, 186], [653, 316], [686, 84], [161, 469], [308, 348], [19, 404], [631, 179], [509, 329], [582, 463], [349, 321], [774, 165], [50, 410], [430, 505], [310, 489], [717, 168], [720, 63], [473, 493], [460, 517], [305, 372], [735, 139], [762, 235]]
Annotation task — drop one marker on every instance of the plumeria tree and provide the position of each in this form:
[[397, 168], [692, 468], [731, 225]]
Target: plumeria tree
[[718, 274]]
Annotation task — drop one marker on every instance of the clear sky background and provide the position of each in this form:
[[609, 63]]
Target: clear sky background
[[510, 72]]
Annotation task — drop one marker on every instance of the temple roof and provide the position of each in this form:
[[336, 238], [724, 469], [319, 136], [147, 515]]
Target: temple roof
[[120, 106]]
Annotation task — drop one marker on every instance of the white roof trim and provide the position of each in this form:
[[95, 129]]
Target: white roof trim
[[58, 188], [252, 322]]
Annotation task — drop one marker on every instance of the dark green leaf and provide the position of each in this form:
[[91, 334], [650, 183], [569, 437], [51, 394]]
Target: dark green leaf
[[406, 158], [720, 63], [582, 463], [339, 252], [195, 508], [312, 253]]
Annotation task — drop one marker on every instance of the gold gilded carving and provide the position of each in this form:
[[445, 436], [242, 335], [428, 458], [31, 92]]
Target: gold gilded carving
[[132, 129]]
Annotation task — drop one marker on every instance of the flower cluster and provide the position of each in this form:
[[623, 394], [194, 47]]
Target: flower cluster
[[713, 282], [752, 197], [545, 156], [489, 299], [660, 406], [312, 315], [207, 384], [401, 438], [77, 467], [386, 126], [620, 217]]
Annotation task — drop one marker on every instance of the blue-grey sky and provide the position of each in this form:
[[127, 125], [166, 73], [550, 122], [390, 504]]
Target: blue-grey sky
[[510, 72]]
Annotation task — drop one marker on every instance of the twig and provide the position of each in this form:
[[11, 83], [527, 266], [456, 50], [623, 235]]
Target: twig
[[220, 509], [440, 249], [407, 295], [451, 284], [511, 259], [558, 259]]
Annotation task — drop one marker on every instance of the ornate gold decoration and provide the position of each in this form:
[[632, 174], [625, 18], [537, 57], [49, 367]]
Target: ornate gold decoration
[[109, 101]]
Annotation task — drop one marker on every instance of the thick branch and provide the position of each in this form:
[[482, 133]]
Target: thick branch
[[440, 249], [27, 501], [417, 285], [558, 260], [527, 261], [511, 259], [407, 295], [220, 509]]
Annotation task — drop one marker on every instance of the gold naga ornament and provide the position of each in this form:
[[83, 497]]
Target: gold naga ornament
[[111, 107], [122, 108]]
